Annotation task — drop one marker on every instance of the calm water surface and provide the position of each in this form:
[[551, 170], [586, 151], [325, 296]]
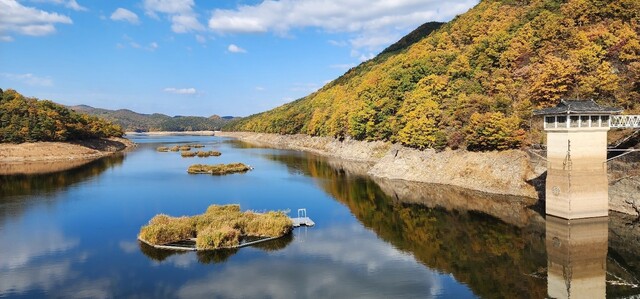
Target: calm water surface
[[73, 234]]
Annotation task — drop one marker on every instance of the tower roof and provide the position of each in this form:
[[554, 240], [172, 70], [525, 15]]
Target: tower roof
[[578, 107]]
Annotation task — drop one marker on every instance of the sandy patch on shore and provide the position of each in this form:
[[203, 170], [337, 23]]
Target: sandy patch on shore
[[38, 157]]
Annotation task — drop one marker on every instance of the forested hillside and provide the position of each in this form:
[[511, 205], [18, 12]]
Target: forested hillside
[[132, 121], [25, 119], [475, 81]]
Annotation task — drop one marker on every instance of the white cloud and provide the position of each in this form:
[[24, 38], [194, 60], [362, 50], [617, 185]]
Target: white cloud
[[14, 17], [6, 38], [29, 79], [201, 39], [375, 23], [122, 14], [260, 88], [153, 46], [73, 4], [377, 266], [338, 43], [180, 13], [235, 49], [180, 90], [343, 66]]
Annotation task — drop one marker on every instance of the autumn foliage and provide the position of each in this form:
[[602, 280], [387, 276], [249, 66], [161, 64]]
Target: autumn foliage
[[25, 119], [475, 81]]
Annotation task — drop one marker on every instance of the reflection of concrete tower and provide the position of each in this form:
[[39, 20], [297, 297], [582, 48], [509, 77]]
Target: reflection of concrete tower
[[577, 184], [576, 257]]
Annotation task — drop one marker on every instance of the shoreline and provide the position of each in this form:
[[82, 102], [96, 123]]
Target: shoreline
[[505, 173], [46, 157], [172, 133]]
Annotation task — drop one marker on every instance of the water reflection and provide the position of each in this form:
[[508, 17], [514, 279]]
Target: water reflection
[[577, 257], [493, 243], [493, 257], [208, 257], [333, 262], [29, 184]]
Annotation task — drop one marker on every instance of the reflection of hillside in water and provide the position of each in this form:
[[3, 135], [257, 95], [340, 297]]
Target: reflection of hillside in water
[[16, 185], [449, 229], [492, 257]]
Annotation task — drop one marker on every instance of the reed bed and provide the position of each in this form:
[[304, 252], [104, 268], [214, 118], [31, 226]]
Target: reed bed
[[205, 154], [221, 226], [218, 169], [188, 154]]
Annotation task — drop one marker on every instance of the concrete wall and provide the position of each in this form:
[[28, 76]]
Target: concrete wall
[[577, 184]]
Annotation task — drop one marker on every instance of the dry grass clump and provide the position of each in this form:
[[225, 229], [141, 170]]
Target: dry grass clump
[[185, 148], [218, 169], [174, 148], [214, 238], [218, 227], [162, 149], [163, 229], [269, 224], [204, 154], [187, 154]]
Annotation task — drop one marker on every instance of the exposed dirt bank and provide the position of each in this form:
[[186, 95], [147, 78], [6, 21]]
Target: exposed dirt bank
[[493, 172], [43, 157], [170, 133], [507, 173]]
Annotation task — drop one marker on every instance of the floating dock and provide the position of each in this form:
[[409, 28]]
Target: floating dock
[[302, 219]]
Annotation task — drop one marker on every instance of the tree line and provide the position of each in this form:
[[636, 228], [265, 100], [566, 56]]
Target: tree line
[[25, 119]]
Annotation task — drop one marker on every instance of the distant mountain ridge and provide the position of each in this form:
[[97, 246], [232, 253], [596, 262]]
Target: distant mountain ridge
[[132, 121]]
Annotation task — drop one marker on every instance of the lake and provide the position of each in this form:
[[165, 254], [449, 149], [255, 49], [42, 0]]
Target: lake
[[72, 234]]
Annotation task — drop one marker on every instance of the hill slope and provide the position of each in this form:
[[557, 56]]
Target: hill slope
[[25, 119], [475, 81], [133, 121]]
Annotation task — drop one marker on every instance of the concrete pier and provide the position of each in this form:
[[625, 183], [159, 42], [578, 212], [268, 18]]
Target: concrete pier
[[577, 185]]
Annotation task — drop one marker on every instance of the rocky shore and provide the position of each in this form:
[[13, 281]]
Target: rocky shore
[[43, 157], [506, 172], [509, 173]]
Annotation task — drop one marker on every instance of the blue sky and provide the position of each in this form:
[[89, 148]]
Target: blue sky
[[187, 57]]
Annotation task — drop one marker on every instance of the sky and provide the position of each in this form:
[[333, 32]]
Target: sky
[[187, 57]]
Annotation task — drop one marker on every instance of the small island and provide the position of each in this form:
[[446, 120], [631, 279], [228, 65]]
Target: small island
[[218, 169], [220, 227]]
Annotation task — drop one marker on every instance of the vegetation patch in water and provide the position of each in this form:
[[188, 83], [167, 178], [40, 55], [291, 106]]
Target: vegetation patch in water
[[218, 169], [162, 149], [197, 145], [187, 154], [174, 148], [205, 154], [219, 227], [163, 229], [185, 148]]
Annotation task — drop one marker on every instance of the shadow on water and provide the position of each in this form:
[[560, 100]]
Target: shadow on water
[[29, 184], [213, 256], [494, 244]]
